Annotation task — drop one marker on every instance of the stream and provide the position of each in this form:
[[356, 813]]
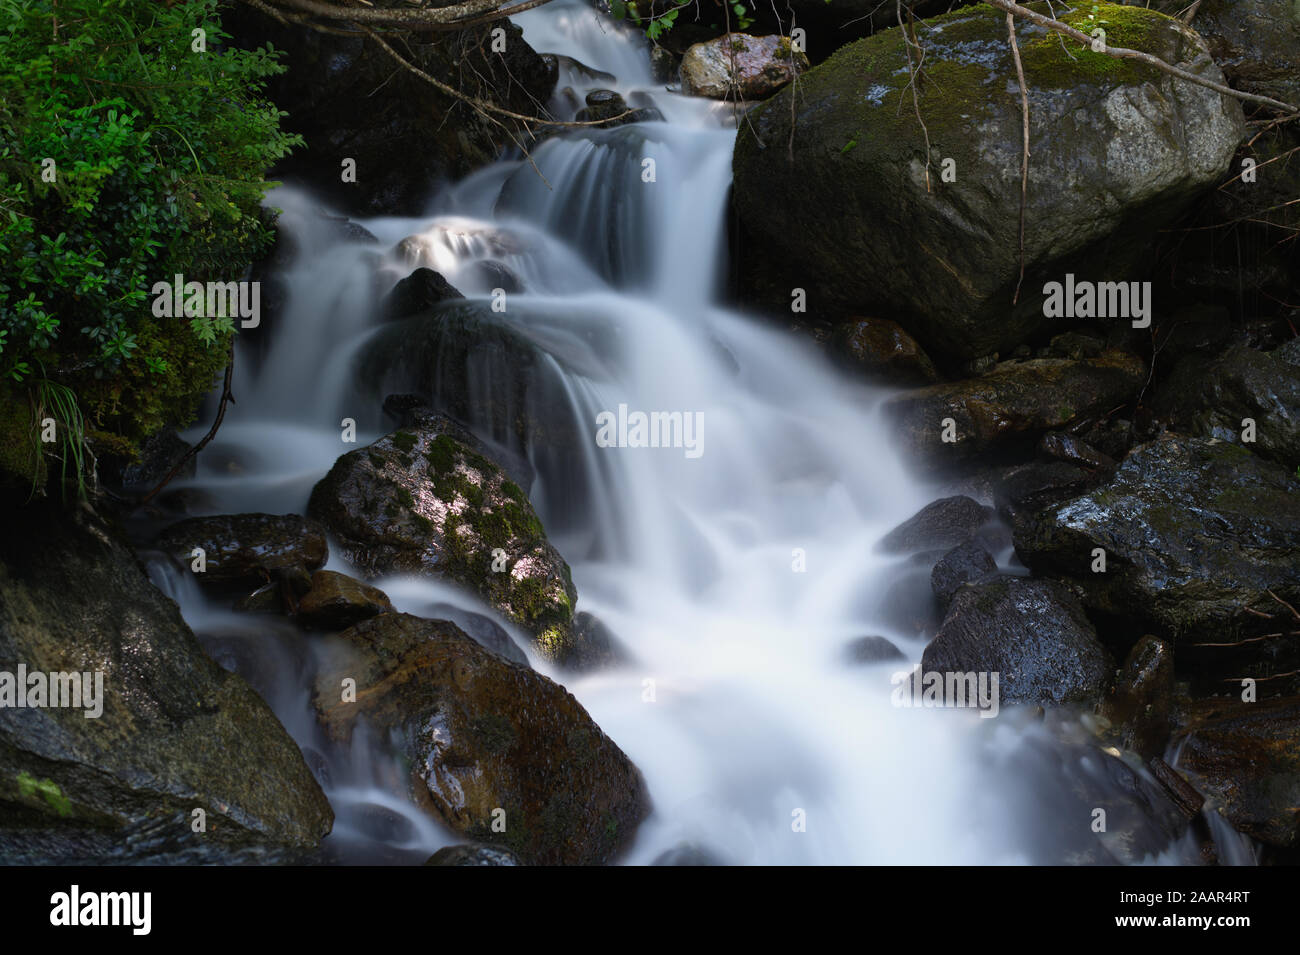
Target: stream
[[735, 576]]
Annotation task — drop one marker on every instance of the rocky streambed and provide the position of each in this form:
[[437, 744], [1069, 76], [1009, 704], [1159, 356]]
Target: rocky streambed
[[1100, 505]]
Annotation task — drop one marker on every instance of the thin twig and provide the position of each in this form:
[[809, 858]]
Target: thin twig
[[1024, 151], [1122, 53], [226, 398]]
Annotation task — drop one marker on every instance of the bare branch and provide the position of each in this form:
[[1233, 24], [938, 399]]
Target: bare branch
[[1122, 53], [1024, 150], [454, 17]]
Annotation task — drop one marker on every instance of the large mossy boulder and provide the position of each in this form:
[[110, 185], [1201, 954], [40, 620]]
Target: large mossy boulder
[[176, 732], [420, 501], [832, 177], [1197, 533], [489, 741], [1009, 408]]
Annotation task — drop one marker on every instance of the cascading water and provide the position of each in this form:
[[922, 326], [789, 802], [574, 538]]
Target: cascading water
[[734, 571]]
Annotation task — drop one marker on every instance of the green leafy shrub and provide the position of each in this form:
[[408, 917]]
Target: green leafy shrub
[[127, 155]]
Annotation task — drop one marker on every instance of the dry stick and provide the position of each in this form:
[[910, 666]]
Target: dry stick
[[1024, 152], [909, 40], [478, 104], [226, 398], [1122, 53]]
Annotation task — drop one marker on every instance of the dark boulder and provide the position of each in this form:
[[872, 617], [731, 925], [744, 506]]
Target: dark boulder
[[1010, 407], [831, 174], [963, 564], [1033, 633], [420, 290], [175, 731], [1245, 758], [473, 855], [881, 352], [337, 601], [1196, 534], [489, 741], [1214, 397], [938, 526], [247, 550]]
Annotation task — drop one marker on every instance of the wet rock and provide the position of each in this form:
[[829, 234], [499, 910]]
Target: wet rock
[[473, 855], [484, 734], [269, 598], [1195, 532], [1245, 759], [1065, 447], [882, 352], [1142, 700], [419, 501], [337, 601], [963, 564], [1011, 406], [493, 275], [907, 603], [739, 66], [831, 176], [1033, 633], [420, 290], [1026, 489], [485, 631], [1212, 397], [479, 368], [247, 549], [938, 526], [663, 65], [174, 733], [687, 853], [594, 645], [609, 109], [873, 649], [1075, 346], [1060, 785]]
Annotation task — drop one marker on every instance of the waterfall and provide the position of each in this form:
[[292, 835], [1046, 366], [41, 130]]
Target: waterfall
[[735, 577]]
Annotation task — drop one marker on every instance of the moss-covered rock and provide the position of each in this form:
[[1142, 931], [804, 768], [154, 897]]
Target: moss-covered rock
[[421, 501], [1011, 406], [489, 741], [1196, 533], [176, 732], [832, 178]]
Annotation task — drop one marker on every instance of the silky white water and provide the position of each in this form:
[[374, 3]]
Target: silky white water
[[734, 578]]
